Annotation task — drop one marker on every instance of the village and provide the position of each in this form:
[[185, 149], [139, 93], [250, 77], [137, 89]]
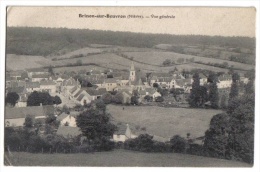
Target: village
[[157, 89]]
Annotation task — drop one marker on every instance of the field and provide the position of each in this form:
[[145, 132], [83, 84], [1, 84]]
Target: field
[[165, 122], [158, 57], [119, 158], [20, 62]]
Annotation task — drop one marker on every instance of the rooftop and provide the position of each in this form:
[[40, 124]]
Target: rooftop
[[68, 132]]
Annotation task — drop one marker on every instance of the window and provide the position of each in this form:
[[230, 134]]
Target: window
[[118, 136]]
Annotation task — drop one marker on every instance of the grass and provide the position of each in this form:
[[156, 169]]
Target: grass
[[165, 122], [159, 57], [20, 62], [119, 158]]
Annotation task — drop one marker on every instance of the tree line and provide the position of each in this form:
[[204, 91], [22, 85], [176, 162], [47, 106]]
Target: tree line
[[45, 41]]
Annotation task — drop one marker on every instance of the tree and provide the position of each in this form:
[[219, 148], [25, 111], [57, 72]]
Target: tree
[[234, 86], [100, 105], [198, 95], [148, 98], [249, 87], [159, 99], [118, 98], [223, 102], [38, 98], [50, 70], [12, 98], [241, 136], [57, 100], [107, 98], [216, 137], [178, 144], [134, 100], [167, 62], [95, 124], [155, 85], [28, 123], [213, 91]]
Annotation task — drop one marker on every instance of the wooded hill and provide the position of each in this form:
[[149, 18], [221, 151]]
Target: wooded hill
[[45, 41]]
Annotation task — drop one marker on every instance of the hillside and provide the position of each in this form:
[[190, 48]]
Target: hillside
[[50, 41]]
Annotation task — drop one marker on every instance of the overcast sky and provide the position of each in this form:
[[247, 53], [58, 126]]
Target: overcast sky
[[196, 21]]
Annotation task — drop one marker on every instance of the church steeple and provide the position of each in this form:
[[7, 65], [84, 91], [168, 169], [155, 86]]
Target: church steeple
[[132, 72]]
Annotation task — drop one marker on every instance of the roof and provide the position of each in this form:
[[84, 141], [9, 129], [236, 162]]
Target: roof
[[110, 80], [32, 85], [47, 82], [72, 90], [16, 73], [17, 90], [93, 92], [150, 90], [201, 75], [70, 82], [62, 116], [78, 93], [224, 77], [121, 130], [164, 79], [40, 76], [22, 112], [67, 131], [182, 82], [80, 97], [142, 92]]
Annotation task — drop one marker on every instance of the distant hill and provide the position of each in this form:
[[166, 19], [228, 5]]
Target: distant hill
[[48, 41]]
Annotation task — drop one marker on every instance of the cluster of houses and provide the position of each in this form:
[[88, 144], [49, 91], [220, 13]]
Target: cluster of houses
[[25, 82]]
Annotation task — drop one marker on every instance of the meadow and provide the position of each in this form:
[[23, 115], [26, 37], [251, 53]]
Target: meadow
[[165, 122], [158, 58], [119, 158]]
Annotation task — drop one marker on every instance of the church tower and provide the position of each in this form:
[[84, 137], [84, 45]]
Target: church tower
[[132, 73]]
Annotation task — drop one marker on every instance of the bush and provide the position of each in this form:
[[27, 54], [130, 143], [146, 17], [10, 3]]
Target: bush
[[103, 144], [159, 99], [178, 144], [143, 143]]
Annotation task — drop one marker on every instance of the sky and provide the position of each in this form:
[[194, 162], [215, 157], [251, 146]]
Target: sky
[[188, 20]]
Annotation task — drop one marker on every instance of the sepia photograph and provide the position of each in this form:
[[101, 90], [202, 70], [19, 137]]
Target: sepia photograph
[[129, 86]]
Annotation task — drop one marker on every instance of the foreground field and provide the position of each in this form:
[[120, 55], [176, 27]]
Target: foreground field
[[119, 158], [165, 122]]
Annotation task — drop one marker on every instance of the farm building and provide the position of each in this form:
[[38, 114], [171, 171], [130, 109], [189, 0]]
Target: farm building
[[15, 117], [123, 133]]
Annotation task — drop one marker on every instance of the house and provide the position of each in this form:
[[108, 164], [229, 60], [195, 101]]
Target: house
[[68, 119], [110, 84], [224, 81], [203, 79], [68, 132], [123, 133], [39, 77], [95, 93], [15, 117], [48, 85], [38, 71], [22, 101], [32, 86], [21, 91], [67, 85], [126, 97], [153, 93]]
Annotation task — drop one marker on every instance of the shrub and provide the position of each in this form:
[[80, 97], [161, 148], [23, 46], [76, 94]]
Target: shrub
[[178, 144]]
